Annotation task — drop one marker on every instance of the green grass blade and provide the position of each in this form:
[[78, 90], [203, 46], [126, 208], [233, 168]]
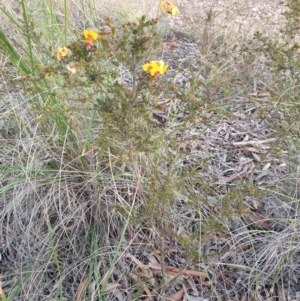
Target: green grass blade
[[14, 56], [28, 36]]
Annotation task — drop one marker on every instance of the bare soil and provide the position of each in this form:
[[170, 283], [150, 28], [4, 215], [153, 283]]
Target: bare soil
[[245, 16]]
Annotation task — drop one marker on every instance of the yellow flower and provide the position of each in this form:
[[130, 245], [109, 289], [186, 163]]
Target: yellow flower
[[169, 8], [61, 53], [155, 68], [89, 37]]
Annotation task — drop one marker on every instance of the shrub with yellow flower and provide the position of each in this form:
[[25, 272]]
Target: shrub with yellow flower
[[169, 8], [89, 37], [61, 53], [155, 68]]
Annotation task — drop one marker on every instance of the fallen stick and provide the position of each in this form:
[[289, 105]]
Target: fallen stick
[[253, 142]]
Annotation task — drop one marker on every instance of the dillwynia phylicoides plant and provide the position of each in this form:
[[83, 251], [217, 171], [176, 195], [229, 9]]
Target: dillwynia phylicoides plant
[[93, 64], [109, 84], [116, 74]]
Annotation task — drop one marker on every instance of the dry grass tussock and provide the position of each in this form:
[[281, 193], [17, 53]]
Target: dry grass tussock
[[79, 222]]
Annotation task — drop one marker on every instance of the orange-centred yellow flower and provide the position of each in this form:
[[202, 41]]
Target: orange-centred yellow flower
[[61, 53], [169, 8], [89, 37], [155, 68]]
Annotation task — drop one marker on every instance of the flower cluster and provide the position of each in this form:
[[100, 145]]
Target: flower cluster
[[155, 68], [89, 37], [169, 8], [61, 53]]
